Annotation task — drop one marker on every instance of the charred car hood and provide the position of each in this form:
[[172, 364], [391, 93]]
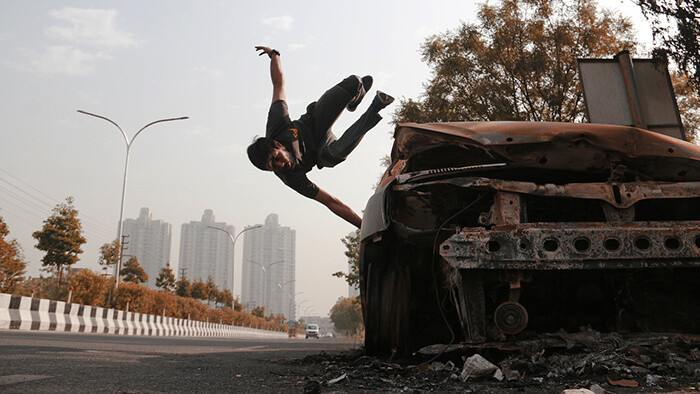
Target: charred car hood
[[556, 146]]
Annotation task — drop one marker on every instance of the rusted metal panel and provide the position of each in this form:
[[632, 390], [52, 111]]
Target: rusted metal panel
[[552, 246], [376, 217], [561, 146], [505, 209], [620, 195], [469, 292], [630, 140], [426, 174]]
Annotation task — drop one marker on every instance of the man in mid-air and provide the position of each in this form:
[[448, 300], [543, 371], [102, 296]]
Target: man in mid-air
[[292, 148]]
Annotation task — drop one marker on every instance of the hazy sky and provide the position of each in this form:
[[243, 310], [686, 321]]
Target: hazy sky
[[136, 61]]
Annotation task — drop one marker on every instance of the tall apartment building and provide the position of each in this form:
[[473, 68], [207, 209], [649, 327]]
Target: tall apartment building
[[268, 268], [205, 252], [149, 240]]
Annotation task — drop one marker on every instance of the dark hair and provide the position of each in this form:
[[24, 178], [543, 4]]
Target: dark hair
[[259, 152]]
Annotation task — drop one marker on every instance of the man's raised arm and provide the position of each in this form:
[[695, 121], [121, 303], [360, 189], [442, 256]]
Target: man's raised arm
[[278, 91], [338, 208]]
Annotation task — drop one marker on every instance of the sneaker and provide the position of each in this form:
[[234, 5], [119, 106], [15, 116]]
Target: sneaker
[[381, 100], [366, 85]]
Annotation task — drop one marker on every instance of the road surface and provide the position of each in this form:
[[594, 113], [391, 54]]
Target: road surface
[[32, 361]]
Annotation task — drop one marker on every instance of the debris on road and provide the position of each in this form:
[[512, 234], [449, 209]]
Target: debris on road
[[338, 379], [624, 382], [511, 375], [557, 362], [448, 366], [476, 367], [596, 389], [312, 387]]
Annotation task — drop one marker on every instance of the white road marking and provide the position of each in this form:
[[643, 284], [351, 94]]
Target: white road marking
[[250, 348], [13, 379]]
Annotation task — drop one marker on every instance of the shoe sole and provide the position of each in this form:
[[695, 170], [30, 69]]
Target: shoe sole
[[367, 81], [389, 99]]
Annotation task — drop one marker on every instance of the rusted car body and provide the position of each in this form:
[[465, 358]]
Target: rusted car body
[[491, 231]]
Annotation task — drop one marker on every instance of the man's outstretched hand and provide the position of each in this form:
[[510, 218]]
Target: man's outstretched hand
[[278, 92], [263, 50]]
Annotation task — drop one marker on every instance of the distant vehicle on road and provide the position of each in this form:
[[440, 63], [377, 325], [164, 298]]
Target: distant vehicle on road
[[312, 331], [327, 335]]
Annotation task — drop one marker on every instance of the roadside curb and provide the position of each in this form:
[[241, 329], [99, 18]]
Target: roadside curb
[[25, 313]]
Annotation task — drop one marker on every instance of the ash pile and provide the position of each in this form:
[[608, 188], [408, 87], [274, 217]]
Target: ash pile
[[584, 362]]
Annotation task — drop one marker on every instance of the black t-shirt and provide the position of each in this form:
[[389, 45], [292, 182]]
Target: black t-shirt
[[297, 138]]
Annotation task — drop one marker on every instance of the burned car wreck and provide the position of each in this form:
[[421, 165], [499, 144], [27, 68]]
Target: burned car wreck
[[495, 231]]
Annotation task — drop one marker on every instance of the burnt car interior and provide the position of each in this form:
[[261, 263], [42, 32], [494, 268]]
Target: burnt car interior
[[494, 232]]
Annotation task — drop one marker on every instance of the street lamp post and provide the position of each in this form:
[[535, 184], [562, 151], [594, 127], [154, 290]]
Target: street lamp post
[[233, 256], [294, 298], [264, 271], [298, 306], [281, 286], [129, 143], [265, 280], [306, 310]]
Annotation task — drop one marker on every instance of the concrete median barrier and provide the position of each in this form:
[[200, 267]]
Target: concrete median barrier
[[24, 313]]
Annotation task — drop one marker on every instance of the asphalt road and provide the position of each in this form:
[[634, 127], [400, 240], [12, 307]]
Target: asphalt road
[[32, 361]]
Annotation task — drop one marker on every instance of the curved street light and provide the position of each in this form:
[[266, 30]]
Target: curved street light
[[294, 298], [281, 285], [299, 304], [265, 280], [126, 168], [306, 310], [233, 256]]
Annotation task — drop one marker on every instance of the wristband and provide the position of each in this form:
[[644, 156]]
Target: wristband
[[274, 51]]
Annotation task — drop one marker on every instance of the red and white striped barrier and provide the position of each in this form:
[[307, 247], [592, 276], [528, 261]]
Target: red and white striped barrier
[[24, 313]]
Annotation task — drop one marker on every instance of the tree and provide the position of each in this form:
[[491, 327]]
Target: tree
[[675, 26], [89, 288], [225, 298], [183, 287], [518, 62], [166, 279], [109, 255], [42, 287], [139, 298], [258, 311], [133, 272], [199, 290], [211, 290], [688, 105], [346, 314], [12, 264], [61, 238], [352, 245]]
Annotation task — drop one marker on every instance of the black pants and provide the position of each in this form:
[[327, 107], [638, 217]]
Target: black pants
[[326, 111]]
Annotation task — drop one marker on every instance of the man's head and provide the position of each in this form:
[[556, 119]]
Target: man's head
[[269, 155]]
